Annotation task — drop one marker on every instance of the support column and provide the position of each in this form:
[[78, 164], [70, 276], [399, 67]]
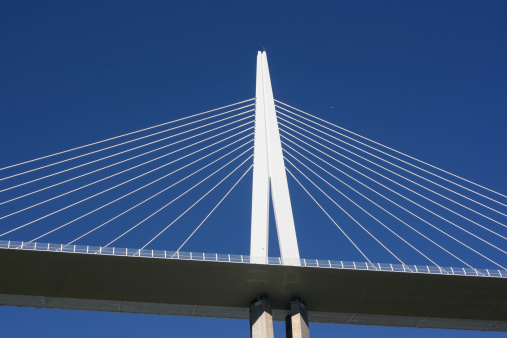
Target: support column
[[296, 323], [261, 320]]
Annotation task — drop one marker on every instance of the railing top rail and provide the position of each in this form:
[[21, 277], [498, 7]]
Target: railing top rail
[[200, 256]]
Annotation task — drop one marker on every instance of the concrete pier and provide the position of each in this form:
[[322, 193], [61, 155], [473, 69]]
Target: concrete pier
[[261, 320], [296, 323]]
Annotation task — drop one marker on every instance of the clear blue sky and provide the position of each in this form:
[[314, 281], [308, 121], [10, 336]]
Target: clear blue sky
[[428, 78]]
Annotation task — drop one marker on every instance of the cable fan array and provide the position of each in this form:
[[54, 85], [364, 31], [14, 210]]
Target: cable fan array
[[376, 204], [99, 192], [389, 206]]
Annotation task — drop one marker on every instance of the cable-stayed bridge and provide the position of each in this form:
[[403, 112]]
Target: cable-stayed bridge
[[154, 221]]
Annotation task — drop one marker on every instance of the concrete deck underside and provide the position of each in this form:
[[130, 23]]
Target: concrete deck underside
[[216, 289]]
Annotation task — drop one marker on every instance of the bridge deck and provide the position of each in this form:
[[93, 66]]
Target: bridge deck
[[222, 289]]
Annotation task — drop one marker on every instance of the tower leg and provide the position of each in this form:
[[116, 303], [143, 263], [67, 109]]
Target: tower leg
[[261, 320], [296, 323]]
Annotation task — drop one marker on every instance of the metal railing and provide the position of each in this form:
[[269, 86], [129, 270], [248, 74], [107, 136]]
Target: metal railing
[[214, 257]]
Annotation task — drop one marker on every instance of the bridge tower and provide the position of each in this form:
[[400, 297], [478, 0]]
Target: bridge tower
[[269, 176]]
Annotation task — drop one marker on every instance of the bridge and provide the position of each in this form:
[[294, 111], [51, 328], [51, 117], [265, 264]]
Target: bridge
[[423, 246]]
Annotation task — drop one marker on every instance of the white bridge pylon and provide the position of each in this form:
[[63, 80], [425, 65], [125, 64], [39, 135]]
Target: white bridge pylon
[[269, 175]]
